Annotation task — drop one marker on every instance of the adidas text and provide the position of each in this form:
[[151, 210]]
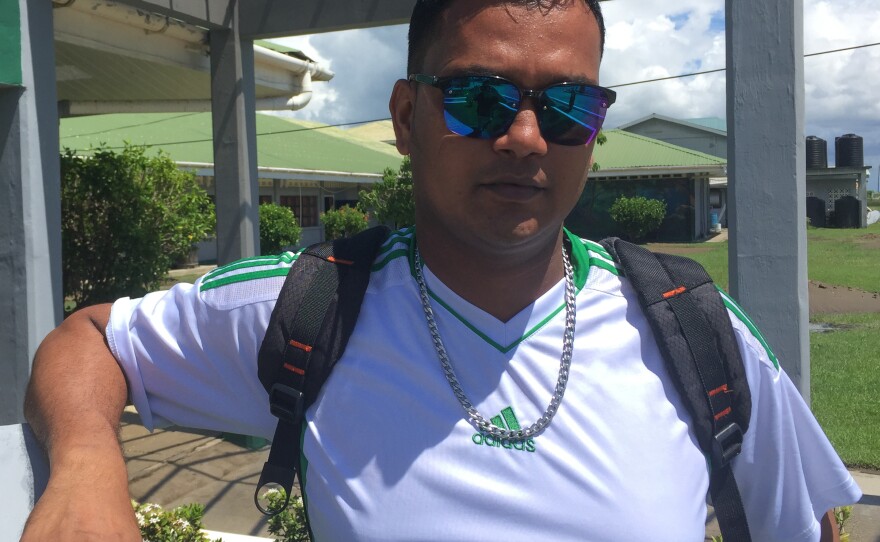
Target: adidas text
[[488, 440]]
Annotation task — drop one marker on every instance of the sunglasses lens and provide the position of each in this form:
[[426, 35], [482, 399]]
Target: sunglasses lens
[[480, 107], [572, 114]]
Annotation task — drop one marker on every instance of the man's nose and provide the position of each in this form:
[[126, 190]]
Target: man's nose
[[523, 138]]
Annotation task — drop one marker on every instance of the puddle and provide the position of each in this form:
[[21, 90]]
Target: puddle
[[824, 327]]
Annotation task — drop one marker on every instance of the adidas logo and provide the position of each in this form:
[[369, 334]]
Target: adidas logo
[[505, 420]]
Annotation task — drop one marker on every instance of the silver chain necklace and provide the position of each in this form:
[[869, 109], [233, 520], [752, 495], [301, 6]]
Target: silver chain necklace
[[475, 418]]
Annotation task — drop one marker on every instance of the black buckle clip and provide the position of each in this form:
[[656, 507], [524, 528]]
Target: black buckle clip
[[286, 403], [726, 445]]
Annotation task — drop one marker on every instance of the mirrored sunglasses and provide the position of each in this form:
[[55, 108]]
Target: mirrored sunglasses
[[484, 107]]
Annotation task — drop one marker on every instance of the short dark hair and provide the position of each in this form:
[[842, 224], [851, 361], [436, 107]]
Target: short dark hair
[[424, 25]]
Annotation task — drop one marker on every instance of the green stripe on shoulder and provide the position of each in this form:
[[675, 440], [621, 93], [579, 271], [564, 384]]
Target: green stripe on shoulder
[[393, 255], [256, 261], [244, 277], [744, 318], [278, 265], [403, 236], [609, 266], [593, 246]]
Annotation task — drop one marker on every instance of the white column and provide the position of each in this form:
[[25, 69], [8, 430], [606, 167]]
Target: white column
[[30, 209], [767, 172], [235, 143]]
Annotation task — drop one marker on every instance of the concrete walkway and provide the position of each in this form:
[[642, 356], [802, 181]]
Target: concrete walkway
[[174, 467]]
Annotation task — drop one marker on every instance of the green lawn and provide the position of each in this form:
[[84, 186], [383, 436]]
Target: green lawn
[[845, 377], [171, 281], [841, 257], [845, 363]]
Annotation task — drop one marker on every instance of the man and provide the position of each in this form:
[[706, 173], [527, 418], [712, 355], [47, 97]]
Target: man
[[524, 316]]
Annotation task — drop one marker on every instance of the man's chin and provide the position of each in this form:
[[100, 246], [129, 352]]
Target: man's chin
[[523, 234]]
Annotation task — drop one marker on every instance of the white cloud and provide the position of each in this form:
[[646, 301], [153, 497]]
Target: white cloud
[[366, 64]]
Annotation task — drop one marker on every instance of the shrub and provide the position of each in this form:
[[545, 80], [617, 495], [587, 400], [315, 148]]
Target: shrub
[[182, 524], [391, 200], [638, 216], [278, 228], [289, 525], [343, 222], [125, 218]]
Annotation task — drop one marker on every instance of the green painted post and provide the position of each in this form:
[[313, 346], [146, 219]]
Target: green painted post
[[10, 43]]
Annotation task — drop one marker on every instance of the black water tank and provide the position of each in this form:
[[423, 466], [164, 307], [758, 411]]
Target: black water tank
[[817, 153], [849, 151], [847, 212], [816, 211]]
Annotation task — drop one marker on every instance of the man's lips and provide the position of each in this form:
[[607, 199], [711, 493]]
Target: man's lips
[[513, 190]]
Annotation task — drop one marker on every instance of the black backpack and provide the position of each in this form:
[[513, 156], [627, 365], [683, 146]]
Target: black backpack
[[319, 304]]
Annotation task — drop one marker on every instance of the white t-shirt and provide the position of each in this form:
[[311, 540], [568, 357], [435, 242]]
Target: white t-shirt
[[390, 456]]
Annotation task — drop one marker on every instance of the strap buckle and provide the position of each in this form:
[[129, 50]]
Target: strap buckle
[[726, 444], [286, 403]]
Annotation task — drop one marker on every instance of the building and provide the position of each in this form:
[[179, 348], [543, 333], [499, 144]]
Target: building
[[707, 135], [308, 167], [633, 165], [825, 186]]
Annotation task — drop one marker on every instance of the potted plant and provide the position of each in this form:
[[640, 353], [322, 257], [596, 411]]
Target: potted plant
[[842, 515]]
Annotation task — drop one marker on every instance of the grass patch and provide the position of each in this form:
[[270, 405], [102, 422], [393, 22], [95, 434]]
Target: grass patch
[[849, 257], [712, 256], [844, 384], [844, 369], [188, 278], [845, 257]]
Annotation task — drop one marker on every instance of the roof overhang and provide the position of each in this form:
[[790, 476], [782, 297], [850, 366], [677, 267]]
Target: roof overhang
[[207, 170], [276, 18], [672, 120], [708, 171], [837, 173], [114, 58]]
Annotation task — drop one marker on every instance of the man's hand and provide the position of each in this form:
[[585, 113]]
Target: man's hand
[[84, 502], [74, 401]]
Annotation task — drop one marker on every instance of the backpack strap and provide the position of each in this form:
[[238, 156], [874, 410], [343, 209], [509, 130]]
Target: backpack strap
[[308, 331], [694, 334]]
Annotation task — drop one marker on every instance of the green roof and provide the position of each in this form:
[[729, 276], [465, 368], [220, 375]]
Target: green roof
[[283, 49], [187, 137], [380, 130], [626, 150]]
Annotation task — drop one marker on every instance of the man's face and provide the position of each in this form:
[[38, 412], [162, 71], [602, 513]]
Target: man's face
[[510, 192]]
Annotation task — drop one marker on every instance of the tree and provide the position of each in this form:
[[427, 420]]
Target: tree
[[278, 228], [391, 200], [125, 217], [343, 222], [601, 139], [638, 216]]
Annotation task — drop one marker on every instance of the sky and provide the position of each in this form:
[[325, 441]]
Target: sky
[[647, 39]]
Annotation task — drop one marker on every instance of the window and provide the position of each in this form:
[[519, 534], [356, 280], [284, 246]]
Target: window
[[265, 199], [304, 208]]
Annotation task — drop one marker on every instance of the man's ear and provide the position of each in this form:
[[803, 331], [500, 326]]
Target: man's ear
[[402, 106]]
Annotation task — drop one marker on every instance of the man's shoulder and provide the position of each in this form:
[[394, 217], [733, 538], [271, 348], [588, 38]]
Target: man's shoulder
[[246, 281], [395, 250], [260, 278]]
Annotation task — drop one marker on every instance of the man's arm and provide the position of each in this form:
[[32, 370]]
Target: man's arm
[[74, 402]]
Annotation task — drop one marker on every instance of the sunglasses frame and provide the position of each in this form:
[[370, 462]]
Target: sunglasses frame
[[441, 83]]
